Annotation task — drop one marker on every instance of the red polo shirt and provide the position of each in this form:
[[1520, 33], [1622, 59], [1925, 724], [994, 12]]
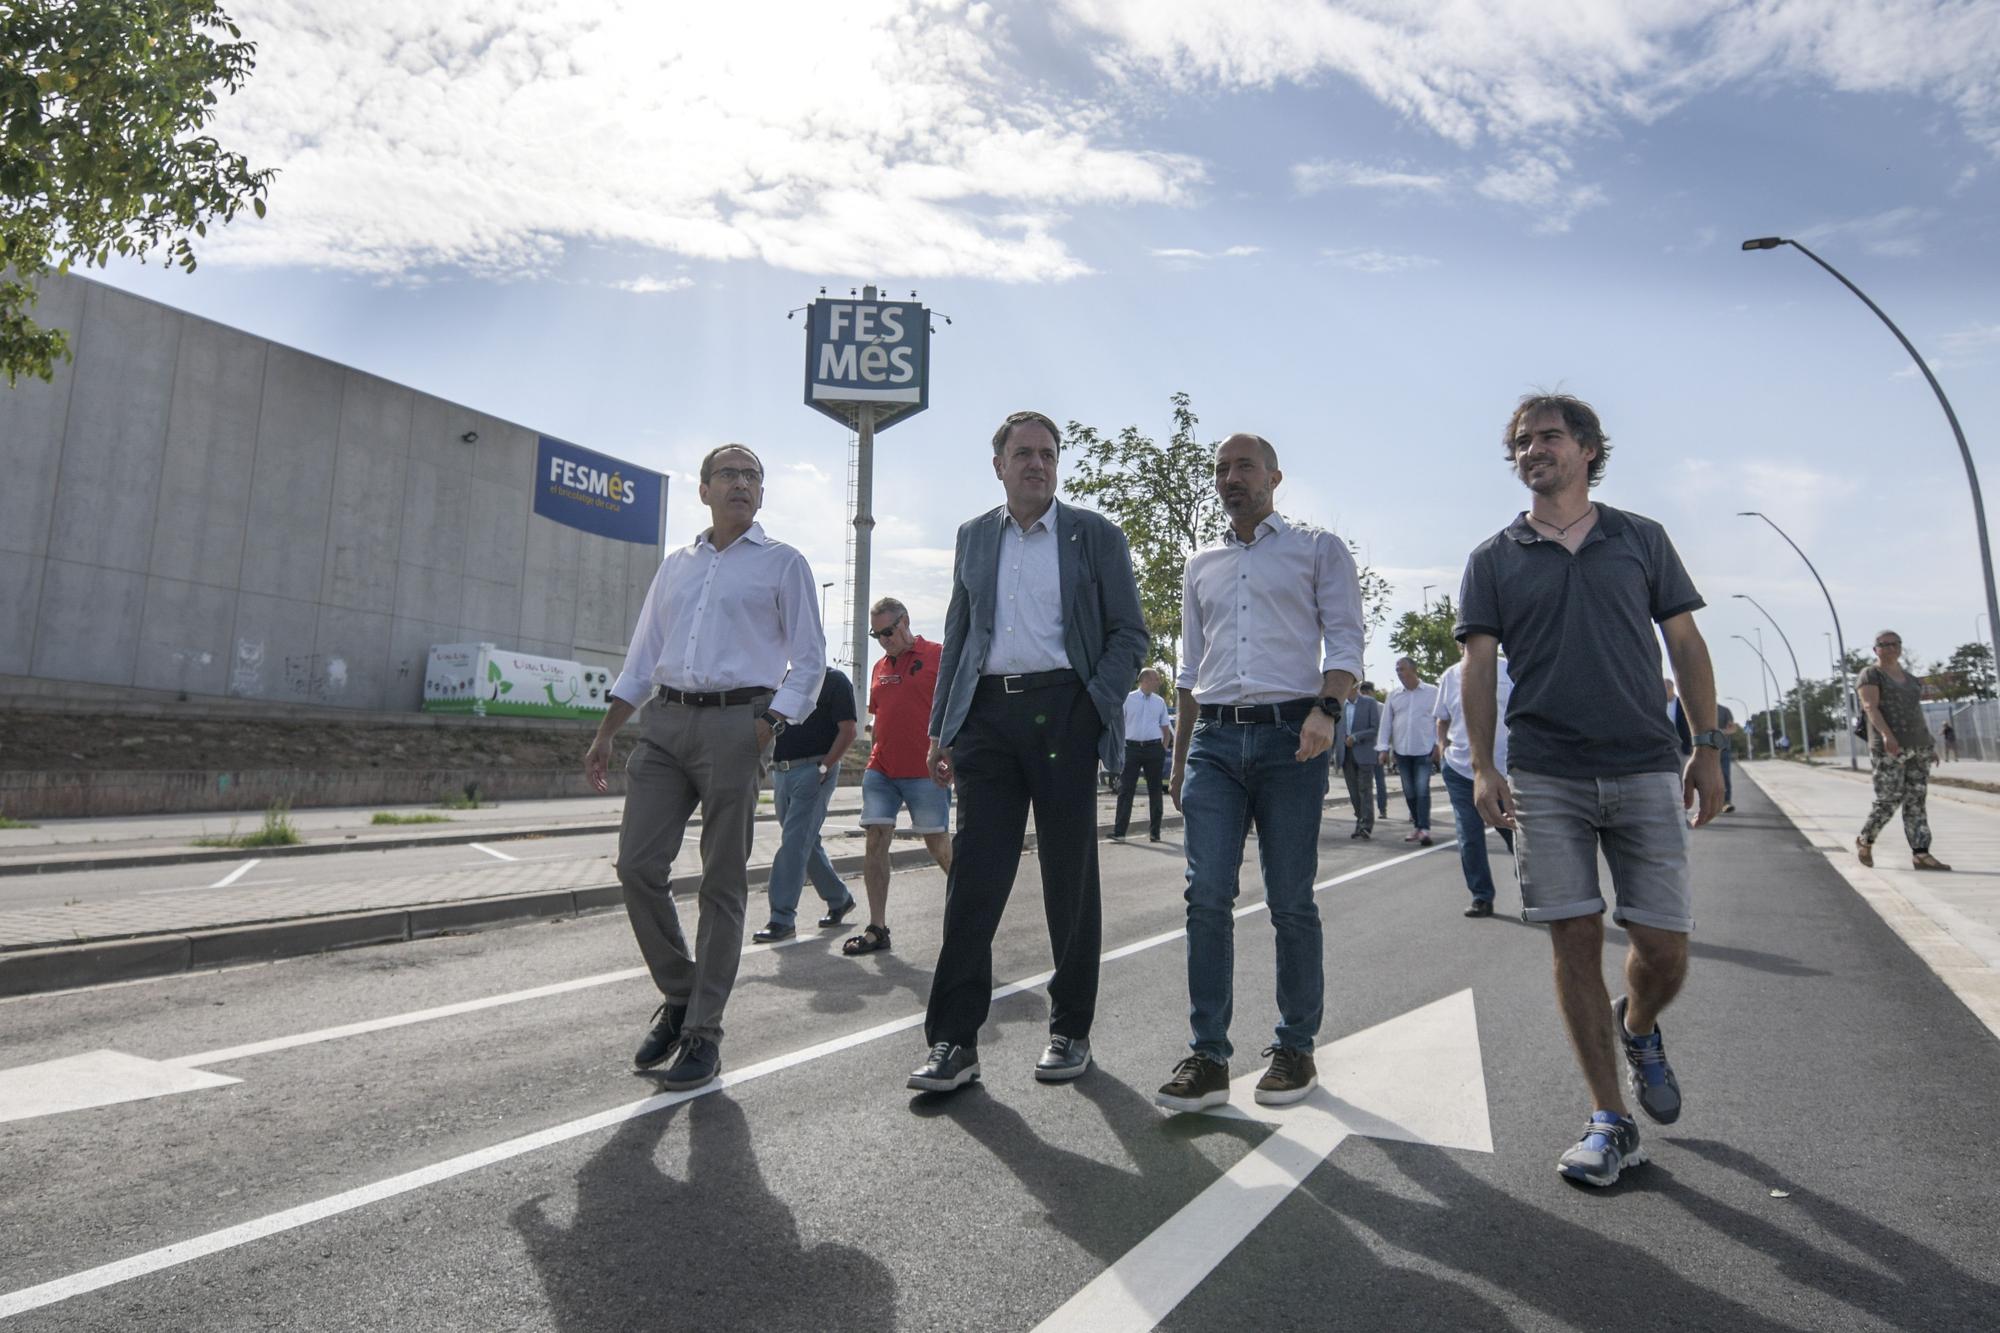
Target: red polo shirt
[[899, 696]]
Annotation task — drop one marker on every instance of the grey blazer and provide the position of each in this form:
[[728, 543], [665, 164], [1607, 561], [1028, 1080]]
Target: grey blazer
[[1104, 631], [1367, 725]]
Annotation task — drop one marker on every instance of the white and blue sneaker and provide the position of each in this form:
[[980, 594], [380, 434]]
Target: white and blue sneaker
[[1610, 1143], [1651, 1078]]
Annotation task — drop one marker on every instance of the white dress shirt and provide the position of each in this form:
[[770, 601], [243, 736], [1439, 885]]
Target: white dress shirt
[[1145, 715], [723, 620], [1027, 600], [1409, 721], [1451, 708], [1262, 621]]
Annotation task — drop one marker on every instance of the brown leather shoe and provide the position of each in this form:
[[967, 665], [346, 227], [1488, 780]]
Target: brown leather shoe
[[1864, 852], [1925, 861]]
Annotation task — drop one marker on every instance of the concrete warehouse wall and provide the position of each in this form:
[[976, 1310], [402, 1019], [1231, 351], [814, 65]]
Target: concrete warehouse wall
[[190, 508]]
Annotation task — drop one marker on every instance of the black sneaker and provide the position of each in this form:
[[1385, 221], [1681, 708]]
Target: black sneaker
[[659, 1043], [1651, 1078], [1610, 1143], [1198, 1083], [700, 1062], [1065, 1059], [948, 1066], [1291, 1076], [1480, 907]]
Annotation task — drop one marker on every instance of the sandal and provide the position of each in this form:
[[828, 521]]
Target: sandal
[[1864, 852], [1925, 861], [871, 939]]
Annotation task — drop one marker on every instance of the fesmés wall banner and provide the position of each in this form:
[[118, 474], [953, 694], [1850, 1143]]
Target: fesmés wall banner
[[596, 493]]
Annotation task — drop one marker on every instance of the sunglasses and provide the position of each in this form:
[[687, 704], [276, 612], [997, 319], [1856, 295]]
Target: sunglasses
[[885, 633], [1889, 643]]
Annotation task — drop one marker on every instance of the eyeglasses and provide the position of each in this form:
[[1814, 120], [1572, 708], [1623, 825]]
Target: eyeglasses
[[1888, 643], [885, 633], [729, 476]]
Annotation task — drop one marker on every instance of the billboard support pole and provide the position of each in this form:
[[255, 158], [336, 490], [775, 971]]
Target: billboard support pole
[[864, 527]]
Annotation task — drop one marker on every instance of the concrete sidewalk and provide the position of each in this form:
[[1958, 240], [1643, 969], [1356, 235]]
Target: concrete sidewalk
[[1952, 920]]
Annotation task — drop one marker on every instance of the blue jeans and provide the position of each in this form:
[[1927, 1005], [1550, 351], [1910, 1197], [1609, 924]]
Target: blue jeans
[[1238, 776], [1415, 770], [1382, 789], [1471, 835], [801, 800], [1728, 760]]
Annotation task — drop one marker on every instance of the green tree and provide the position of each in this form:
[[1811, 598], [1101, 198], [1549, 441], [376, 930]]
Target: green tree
[[1969, 673], [1425, 638], [102, 107], [1163, 496]]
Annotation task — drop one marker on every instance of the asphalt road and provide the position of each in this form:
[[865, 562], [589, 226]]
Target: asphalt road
[[1833, 1170]]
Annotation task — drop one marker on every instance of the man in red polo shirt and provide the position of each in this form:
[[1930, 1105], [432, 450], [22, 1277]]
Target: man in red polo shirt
[[899, 698]]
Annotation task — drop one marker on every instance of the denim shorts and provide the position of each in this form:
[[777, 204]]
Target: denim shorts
[[882, 796], [1638, 821]]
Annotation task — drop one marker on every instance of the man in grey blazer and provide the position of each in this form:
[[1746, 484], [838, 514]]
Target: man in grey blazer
[[1042, 641], [1361, 721]]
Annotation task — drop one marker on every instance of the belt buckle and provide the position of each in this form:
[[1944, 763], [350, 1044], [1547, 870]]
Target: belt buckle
[[1007, 684], [1237, 711]]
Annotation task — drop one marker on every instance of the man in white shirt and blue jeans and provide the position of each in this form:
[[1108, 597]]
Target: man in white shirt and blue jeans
[[1272, 634], [1409, 732], [727, 652], [1457, 767]]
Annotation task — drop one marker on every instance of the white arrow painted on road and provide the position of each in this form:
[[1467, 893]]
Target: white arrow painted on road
[[1415, 1079], [95, 1078]]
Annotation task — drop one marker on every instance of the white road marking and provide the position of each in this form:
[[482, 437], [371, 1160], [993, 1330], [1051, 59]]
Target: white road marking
[[482, 847], [95, 1078], [1416, 1079], [190, 888], [233, 875], [181, 1252]]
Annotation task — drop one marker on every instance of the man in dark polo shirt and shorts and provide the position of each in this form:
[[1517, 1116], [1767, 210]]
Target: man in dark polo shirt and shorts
[[1572, 590], [899, 696]]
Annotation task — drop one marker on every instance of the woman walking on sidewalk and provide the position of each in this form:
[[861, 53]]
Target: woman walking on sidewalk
[[1901, 750]]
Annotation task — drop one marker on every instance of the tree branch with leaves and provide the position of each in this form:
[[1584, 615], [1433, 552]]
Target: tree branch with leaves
[[103, 104]]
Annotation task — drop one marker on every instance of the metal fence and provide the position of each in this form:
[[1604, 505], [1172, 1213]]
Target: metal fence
[[1977, 726]]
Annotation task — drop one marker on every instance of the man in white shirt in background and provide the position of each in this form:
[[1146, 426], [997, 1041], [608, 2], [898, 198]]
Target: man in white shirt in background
[[1457, 743], [728, 651], [1409, 733], [1147, 737]]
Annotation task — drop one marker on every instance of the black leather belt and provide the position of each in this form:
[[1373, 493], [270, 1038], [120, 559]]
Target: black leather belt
[[1033, 680], [1144, 743], [1243, 715], [713, 698]]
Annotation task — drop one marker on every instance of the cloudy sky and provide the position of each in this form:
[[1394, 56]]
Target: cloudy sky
[[1360, 228]]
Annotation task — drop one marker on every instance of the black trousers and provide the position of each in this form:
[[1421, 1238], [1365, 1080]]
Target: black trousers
[[1360, 792], [1036, 750], [1149, 758]]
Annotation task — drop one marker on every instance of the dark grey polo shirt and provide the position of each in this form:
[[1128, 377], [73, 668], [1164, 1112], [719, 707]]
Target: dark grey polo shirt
[[1581, 647]]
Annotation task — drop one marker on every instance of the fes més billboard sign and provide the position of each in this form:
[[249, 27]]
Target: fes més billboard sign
[[588, 490], [873, 354]]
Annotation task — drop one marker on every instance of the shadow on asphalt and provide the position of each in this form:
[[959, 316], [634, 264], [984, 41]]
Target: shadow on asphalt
[[648, 1251], [1106, 1209], [839, 983]]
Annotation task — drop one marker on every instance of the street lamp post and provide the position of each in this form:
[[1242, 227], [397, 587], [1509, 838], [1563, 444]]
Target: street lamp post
[[1958, 432], [1846, 689], [1805, 728], [1770, 724]]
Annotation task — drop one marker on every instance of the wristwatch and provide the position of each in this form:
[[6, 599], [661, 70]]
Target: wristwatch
[[774, 722], [1331, 707], [1713, 740]]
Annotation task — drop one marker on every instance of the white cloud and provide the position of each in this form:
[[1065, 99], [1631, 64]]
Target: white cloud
[[647, 285], [1542, 70], [1377, 261], [879, 136], [1893, 233], [1315, 177], [1536, 182], [1184, 257]]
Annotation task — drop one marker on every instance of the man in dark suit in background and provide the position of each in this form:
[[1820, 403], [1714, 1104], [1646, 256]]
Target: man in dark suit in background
[[1355, 746], [1042, 641]]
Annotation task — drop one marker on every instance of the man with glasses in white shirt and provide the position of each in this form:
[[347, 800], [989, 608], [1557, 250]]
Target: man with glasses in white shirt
[[727, 652]]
